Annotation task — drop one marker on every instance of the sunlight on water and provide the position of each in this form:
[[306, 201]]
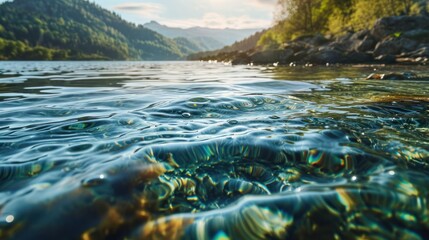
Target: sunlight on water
[[180, 150]]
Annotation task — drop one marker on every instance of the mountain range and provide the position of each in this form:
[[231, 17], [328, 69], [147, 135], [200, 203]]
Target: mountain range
[[80, 30], [206, 38], [225, 53], [76, 29]]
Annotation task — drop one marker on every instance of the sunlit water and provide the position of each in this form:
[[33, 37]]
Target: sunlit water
[[118, 150]]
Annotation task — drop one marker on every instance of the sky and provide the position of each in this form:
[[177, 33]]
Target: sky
[[191, 13]]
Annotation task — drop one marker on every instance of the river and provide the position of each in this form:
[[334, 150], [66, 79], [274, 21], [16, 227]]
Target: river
[[190, 150]]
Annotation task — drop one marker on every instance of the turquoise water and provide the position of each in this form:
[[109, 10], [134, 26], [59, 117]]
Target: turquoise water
[[182, 150]]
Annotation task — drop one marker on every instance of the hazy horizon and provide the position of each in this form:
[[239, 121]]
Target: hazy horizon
[[220, 14]]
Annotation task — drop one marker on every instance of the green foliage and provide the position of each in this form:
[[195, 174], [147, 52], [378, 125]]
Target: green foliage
[[76, 29], [302, 17], [227, 53], [188, 46], [366, 12], [270, 40], [17, 50]]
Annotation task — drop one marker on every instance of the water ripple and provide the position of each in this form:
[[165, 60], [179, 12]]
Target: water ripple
[[132, 150]]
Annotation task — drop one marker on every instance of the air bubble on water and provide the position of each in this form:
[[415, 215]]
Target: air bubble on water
[[186, 115], [10, 218]]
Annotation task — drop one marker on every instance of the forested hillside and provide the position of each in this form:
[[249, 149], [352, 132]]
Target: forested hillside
[[296, 18], [239, 46], [76, 29]]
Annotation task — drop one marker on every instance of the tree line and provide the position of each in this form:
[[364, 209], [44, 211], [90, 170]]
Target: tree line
[[306, 17], [76, 29]]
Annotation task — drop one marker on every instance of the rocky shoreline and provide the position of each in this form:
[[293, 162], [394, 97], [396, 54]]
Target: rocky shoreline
[[392, 40]]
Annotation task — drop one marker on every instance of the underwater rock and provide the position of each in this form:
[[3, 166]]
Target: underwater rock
[[341, 212], [393, 76]]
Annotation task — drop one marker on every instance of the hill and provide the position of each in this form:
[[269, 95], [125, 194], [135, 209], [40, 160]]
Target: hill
[[225, 53], [190, 46], [210, 38], [76, 29]]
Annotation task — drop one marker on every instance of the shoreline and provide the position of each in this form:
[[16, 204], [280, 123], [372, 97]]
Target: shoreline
[[392, 40]]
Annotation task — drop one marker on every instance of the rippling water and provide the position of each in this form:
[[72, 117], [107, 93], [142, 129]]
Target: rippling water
[[135, 150]]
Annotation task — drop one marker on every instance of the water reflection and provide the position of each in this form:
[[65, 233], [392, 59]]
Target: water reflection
[[116, 150]]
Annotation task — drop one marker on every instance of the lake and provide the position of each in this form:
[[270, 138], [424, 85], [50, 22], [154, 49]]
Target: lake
[[190, 150]]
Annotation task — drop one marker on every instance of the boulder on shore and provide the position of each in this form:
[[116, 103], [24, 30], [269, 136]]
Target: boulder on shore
[[398, 39], [273, 56]]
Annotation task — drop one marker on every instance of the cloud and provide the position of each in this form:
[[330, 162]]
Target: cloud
[[269, 4], [208, 13], [149, 10], [216, 20]]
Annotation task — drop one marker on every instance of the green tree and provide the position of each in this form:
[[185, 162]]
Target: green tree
[[80, 28], [307, 17]]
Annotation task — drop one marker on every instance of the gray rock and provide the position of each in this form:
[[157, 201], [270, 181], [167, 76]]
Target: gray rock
[[358, 57], [420, 35], [355, 39], [272, 56], [325, 55], [422, 51], [368, 43], [388, 26], [388, 59], [296, 46], [319, 40], [394, 46], [339, 46], [299, 56], [346, 42], [344, 38], [241, 58], [392, 40]]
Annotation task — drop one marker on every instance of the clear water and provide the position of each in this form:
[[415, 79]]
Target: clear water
[[180, 150]]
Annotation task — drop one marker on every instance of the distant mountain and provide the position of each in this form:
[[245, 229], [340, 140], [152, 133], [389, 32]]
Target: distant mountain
[[210, 37], [76, 29], [247, 44]]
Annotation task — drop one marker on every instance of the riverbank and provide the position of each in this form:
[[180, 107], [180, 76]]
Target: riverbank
[[392, 40]]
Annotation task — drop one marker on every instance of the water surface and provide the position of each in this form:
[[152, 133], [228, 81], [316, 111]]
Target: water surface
[[184, 150]]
